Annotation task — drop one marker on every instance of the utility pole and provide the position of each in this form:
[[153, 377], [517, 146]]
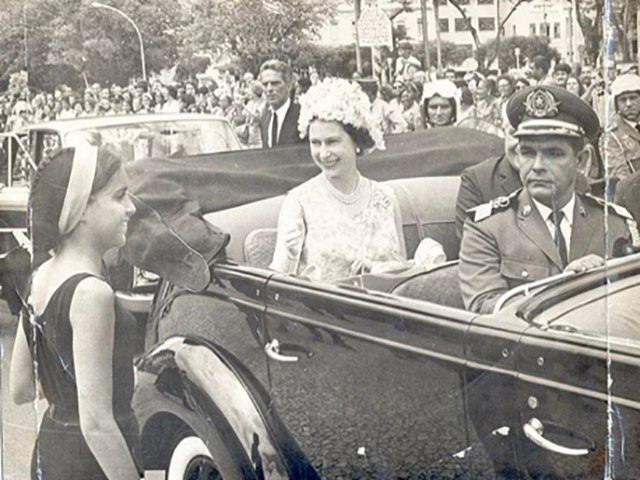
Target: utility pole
[[638, 32], [357, 9], [436, 14], [425, 36]]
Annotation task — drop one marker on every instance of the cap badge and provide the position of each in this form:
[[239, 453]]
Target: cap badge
[[541, 104]]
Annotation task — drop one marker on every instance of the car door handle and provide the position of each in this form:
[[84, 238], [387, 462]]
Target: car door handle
[[273, 351], [534, 431]]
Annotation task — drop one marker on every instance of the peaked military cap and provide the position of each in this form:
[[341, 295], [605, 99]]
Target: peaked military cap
[[550, 110]]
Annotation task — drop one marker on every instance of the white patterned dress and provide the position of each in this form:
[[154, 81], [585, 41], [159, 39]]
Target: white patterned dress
[[319, 239]]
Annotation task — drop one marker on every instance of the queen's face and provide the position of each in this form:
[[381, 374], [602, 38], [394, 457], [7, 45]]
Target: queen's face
[[332, 149]]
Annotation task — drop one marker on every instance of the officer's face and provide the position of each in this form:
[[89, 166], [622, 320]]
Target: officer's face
[[629, 105], [548, 167]]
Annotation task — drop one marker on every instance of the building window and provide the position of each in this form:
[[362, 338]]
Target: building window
[[556, 30], [464, 2], [444, 24], [420, 27], [514, 31], [441, 2], [486, 24], [532, 29], [461, 25], [485, 2], [544, 29]]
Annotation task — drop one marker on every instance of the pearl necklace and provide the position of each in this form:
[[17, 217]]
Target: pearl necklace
[[346, 198]]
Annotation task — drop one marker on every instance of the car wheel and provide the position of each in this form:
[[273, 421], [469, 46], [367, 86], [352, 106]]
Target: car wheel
[[191, 460]]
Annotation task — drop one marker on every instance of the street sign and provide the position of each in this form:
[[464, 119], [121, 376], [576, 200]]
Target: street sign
[[374, 28]]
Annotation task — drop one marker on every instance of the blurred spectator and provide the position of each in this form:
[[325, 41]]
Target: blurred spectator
[[521, 83], [538, 69], [486, 107], [254, 107], [406, 63], [561, 73], [466, 103], [409, 107], [388, 118], [505, 89], [450, 74], [574, 85], [171, 103]]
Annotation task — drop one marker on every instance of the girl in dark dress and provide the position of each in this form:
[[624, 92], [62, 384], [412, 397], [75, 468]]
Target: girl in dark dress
[[76, 343]]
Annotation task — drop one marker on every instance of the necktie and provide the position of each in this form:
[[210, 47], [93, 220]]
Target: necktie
[[274, 130], [558, 237]]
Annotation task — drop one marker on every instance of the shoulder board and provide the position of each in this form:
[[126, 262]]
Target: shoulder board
[[617, 209], [487, 209]]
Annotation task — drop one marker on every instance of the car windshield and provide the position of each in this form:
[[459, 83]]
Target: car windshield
[[162, 139]]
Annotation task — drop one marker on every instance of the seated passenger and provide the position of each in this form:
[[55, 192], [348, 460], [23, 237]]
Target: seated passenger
[[546, 227], [338, 224], [440, 100]]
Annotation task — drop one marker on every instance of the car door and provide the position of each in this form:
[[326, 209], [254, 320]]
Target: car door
[[577, 397], [371, 385]]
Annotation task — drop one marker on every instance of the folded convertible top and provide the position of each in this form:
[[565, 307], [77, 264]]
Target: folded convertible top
[[168, 236]]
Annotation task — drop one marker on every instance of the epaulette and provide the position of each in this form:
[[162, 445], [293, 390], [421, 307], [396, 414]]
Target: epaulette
[[487, 209], [622, 212], [618, 209]]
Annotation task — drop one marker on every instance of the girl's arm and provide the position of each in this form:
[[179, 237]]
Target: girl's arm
[[92, 318], [22, 383]]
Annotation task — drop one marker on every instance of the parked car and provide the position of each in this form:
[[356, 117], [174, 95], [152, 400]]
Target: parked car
[[255, 374]]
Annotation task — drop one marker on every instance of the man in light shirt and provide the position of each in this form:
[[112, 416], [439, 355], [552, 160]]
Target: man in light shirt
[[546, 227]]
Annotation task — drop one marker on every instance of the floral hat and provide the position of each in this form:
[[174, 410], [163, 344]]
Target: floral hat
[[339, 100]]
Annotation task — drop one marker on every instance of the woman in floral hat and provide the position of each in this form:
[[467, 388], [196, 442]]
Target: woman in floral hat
[[338, 224]]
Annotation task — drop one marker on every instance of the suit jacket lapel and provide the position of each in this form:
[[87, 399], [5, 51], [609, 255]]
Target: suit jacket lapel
[[581, 231], [533, 226], [285, 131]]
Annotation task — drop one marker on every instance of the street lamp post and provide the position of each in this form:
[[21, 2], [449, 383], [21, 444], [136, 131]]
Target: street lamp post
[[113, 9]]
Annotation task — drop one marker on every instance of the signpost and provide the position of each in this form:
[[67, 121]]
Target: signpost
[[374, 30]]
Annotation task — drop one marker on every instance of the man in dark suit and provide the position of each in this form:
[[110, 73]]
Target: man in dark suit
[[489, 179], [279, 120], [546, 227]]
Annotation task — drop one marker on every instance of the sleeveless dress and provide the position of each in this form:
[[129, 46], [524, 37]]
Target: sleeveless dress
[[61, 451], [333, 238]]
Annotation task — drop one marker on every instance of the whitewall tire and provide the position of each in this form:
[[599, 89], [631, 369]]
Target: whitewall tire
[[191, 460]]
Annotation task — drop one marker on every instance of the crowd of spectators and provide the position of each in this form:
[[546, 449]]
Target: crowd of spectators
[[400, 103]]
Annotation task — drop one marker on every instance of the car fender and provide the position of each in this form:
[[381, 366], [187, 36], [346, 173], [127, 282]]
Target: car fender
[[192, 384]]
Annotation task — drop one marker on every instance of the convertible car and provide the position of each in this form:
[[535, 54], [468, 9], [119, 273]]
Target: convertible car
[[249, 373]]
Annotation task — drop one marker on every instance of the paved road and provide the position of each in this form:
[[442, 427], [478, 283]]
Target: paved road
[[19, 423]]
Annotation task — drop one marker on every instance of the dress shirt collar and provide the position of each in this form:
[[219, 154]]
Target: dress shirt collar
[[567, 209]]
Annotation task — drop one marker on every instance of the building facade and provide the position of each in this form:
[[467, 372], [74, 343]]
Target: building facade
[[552, 18]]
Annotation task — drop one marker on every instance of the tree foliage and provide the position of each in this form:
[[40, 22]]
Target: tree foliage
[[504, 50], [68, 41], [247, 30], [489, 55]]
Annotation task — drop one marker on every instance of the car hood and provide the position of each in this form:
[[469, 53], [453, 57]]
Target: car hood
[[168, 235]]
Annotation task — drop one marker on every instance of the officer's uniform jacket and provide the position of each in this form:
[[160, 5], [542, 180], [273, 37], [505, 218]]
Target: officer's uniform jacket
[[620, 147], [506, 243]]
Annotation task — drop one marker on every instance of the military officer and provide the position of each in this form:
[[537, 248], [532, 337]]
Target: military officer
[[544, 227], [620, 143]]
